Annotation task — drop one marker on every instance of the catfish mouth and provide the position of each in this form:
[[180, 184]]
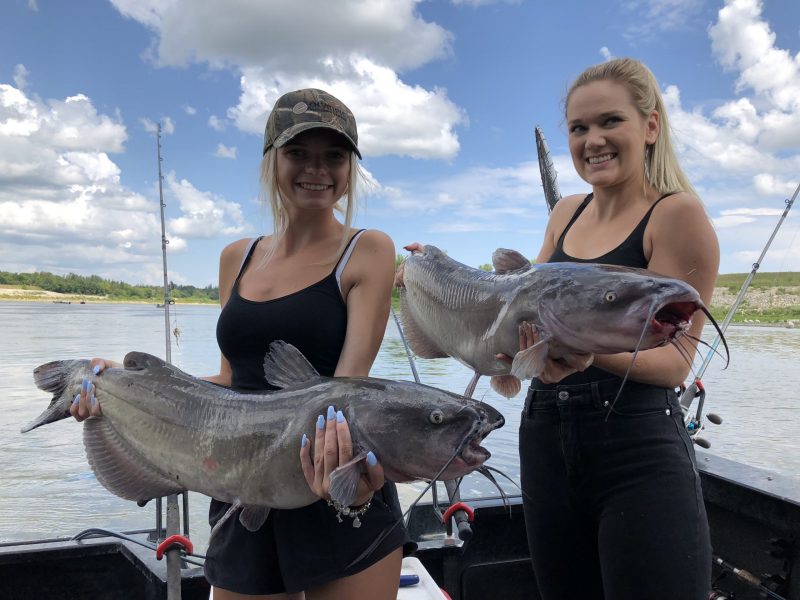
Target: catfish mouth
[[473, 455], [674, 318]]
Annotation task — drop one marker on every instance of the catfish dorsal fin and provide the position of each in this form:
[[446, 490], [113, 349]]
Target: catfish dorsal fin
[[285, 365], [142, 360], [505, 260]]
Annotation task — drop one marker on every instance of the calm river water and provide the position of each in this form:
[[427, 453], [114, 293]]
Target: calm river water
[[47, 488]]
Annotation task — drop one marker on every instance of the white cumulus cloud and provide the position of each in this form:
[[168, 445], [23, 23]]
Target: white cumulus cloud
[[62, 199], [224, 151], [360, 49]]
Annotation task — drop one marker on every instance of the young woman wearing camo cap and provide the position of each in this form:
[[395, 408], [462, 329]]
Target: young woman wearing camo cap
[[324, 287]]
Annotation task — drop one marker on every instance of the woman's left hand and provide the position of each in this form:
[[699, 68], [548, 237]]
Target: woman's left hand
[[333, 447]]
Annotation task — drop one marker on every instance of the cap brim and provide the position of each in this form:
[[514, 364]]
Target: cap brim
[[292, 132]]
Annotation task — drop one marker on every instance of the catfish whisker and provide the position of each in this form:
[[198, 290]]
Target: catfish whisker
[[515, 484], [633, 360], [433, 480], [486, 473], [701, 342], [686, 355], [719, 332]]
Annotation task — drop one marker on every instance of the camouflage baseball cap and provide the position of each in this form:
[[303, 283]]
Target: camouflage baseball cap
[[301, 110]]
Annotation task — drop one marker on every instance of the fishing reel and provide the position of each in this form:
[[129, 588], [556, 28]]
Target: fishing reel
[[694, 422]]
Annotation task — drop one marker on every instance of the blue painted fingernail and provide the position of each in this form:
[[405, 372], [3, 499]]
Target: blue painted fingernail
[[89, 387], [303, 441], [84, 383], [321, 422], [76, 399], [96, 369], [339, 416], [94, 400], [372, 459], [331, 412]]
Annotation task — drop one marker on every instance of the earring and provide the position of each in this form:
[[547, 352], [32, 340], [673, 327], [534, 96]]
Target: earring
[[648, 155]]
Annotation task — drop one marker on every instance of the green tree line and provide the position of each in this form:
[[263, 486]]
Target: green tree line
[[79, 285]]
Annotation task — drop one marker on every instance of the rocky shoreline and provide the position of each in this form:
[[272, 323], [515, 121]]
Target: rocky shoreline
[[758, 301]]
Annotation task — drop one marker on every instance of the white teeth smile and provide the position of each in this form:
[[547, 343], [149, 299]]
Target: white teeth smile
[[314, 187], [594, 160]]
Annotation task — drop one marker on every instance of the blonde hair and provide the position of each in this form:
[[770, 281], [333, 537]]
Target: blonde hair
[[270, 195], [662, 169]]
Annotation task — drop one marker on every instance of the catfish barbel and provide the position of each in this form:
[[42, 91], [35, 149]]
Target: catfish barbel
[[450, 309], [163, 431]]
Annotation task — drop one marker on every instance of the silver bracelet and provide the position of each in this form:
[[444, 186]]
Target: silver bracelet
[[350, 511]]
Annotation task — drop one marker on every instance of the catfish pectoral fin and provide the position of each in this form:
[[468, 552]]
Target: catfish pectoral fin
[[228, 514], [529, 363], [253, 517], [119, 468], [418, 341], [506, 385], [344, 480]]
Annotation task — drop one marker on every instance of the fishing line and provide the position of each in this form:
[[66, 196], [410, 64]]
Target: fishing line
[[474, 431], [405, 345], [176, 331], [686, 402], [99, 532]]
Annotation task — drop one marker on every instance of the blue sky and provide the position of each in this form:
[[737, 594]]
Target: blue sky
[[446, 94]]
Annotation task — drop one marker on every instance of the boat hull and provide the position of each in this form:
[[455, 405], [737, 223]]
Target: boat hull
[[747, 507]]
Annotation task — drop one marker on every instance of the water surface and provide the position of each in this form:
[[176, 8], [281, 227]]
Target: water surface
[[47, 488]]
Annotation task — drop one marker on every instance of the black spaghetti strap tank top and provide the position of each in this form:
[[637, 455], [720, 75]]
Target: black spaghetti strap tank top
[[313, 319], [630, 253]]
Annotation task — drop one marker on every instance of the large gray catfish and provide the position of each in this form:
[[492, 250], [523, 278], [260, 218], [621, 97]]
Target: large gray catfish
[[164, 431], [450, 309]]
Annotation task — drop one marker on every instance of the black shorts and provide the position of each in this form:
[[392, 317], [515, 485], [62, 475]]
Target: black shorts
[[299, 549]]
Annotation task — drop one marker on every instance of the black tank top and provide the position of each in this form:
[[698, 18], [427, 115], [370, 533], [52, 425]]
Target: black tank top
[[630, 253], [313, 319]]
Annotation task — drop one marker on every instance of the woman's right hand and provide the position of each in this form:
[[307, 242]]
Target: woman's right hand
[[85, 404]]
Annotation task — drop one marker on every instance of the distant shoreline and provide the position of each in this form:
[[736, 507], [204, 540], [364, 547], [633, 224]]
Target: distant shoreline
[[10, 294], [746, 316]]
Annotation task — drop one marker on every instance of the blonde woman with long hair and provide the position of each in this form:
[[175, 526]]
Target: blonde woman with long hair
[[613, 505], [325, 288]]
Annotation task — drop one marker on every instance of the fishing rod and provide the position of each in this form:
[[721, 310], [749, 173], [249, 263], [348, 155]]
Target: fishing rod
[[695, 389], [173, 513], [747, 577], [461, 516]]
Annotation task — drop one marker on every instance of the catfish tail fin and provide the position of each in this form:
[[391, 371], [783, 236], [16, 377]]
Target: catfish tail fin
[[55, 377]]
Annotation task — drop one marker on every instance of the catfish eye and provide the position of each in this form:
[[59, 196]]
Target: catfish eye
[[610, 296], [436, 417]]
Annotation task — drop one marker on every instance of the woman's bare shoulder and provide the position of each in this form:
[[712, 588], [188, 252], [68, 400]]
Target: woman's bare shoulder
[[374, 239], [682, 209]]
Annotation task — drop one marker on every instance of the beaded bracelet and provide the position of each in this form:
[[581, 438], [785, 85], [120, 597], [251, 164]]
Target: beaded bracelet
[[350, 511]]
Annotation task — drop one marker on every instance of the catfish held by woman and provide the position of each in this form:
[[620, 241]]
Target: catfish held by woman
[[163, 431], [450, 309]]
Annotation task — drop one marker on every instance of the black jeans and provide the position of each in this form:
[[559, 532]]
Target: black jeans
[[613, 507]]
